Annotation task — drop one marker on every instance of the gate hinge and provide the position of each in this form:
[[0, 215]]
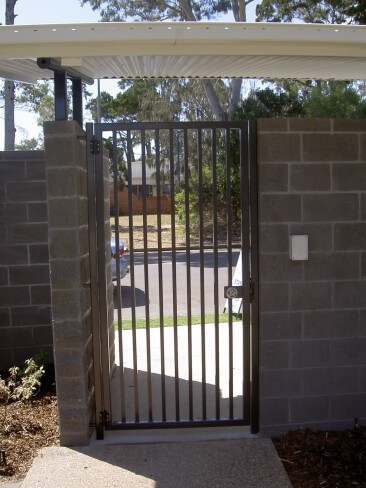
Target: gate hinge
[[251, 290], [94, 146], [104, 417]]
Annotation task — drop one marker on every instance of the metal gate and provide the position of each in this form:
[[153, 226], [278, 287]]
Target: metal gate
[[181, 348]]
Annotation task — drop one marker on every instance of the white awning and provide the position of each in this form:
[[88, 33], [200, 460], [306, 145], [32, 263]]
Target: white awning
[[186, 49]]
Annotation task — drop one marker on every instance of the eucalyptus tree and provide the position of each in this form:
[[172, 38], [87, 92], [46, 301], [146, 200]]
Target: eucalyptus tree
[[9, 89]]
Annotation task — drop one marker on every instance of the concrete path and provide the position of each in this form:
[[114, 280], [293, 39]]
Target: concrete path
[[247, 463], [155, 341]]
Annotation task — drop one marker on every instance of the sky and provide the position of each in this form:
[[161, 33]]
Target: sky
[[62, 11]]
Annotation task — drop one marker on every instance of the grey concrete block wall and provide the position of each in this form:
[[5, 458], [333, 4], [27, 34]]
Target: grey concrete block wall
[[312, 180], [25, 311], [69, 263]]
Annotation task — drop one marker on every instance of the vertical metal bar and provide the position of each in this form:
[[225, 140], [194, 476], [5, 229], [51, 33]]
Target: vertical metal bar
[[160, 273], [245, 268], [102, 281], [92, 227], [202, 273], [146, 275], [77, 101], [188, 264], [132, 274], [216, 273], [118, 276], [174, 270], [60, 82], [254, 274], [229, 268]]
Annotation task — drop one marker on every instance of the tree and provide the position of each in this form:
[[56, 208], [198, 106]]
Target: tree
[[188, 10], [9, 90]]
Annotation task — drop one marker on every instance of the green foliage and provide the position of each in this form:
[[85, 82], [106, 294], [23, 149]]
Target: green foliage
[[309, 11], [32, 144], [22, 383], [157, 10]]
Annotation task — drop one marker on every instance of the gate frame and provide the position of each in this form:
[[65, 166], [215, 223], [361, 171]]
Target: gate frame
[[98, 286]]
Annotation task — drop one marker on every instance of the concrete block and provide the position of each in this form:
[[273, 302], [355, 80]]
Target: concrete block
[[309, 409], [336, 266], [13, 213], [363, 206], [349, 125], [329, 381], [311, 296], [330, 147], [350, 294], [348, 406], [14, 296], [279, 208], [350, 237], [66, 182], [4, 317], [349, 177], [274, 355], [61, 150], [6, 358], [37, 212], [280, 326], [73, 419], [35, 170], [279, 148], [2, 193], [38, 254], [309, 177], [40, 294], [69, 362], [63, 212], [362, 379], [64, 243], [3, 234], [35, 315], [273, 177], [280, 383], [272, 125], [274, 297], [69, 334], [363, 147], [279, 268], [27, 233], [363, 264], [26, 191], [15, 336], [29, 275], [66, 305], [348, 352], [43, 335], [72, 391], [12, 171], [22, 155], [309, 125], [69, 439], [362, 325], [331, 324], [11, 255], [330, 207], [65, 274], [273, 238], [320, 235], [305, 354], [4, 276], [274, 411]]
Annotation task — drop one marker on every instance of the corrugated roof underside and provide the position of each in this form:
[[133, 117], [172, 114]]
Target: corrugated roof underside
[[202, 66]]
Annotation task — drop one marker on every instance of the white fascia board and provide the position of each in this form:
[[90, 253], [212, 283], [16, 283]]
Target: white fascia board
[[185, 38]]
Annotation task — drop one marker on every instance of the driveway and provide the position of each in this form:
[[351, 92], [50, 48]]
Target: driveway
[[153, 270]]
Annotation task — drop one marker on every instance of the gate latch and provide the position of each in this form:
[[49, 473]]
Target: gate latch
[[94, 146], [232, 292]]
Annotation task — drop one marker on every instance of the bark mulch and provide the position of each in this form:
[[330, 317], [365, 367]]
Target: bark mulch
[[324, 459], [23, 430]]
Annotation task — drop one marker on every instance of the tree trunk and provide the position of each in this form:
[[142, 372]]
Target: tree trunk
[[9, 90]]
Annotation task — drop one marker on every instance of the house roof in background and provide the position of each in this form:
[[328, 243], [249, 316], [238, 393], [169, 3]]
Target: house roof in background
[[186, 49]]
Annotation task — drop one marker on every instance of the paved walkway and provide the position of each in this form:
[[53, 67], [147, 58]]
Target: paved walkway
[[246, 463]]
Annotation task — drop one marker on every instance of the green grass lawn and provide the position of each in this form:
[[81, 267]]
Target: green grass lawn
[[181, 319]]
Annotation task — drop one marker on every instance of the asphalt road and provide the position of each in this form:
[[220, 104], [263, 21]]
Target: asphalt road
[[182, 304]]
